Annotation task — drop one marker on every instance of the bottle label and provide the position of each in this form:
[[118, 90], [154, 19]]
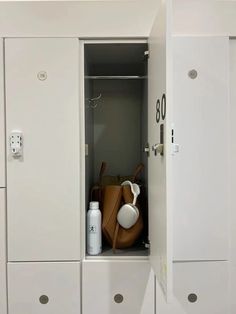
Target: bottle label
[[92, 229]]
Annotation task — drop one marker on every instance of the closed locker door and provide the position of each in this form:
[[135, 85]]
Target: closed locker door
[[2, 119], [44, 288], [124, 286], [3, 283], [43, 170], [201, 168], [202, 287]]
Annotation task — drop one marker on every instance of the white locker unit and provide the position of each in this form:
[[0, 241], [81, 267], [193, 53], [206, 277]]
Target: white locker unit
[[2, 119], [43, 183], [124, 286], [44, 288], [202, 287], [71, 104], [201, 128]]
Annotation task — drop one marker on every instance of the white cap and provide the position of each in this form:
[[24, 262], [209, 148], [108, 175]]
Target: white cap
[[94, 205]]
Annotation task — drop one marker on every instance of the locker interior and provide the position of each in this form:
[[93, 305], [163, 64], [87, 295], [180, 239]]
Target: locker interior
[[115, 84]]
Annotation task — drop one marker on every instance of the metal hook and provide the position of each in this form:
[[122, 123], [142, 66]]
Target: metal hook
[[93, 101], [96, 98]]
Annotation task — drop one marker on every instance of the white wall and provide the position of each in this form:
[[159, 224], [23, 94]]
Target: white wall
[[80, 19]]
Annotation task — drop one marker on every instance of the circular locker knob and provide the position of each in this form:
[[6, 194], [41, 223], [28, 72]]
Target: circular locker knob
[[118, 298], [193, 74], [42, 75], [192, 297], [44, 299]]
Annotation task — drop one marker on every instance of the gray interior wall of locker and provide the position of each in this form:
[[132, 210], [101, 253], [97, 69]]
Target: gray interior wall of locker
[[117, 125]]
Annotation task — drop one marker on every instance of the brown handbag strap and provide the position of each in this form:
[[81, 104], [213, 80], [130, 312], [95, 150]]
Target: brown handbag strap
[[115, 237], [137, 171], [102, 171]]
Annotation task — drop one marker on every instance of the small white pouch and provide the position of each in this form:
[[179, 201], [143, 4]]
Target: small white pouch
[[129, 213]]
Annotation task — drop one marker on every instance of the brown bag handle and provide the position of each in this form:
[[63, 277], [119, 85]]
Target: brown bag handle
[[97, 187], [137, 171], [115, 237], [102, 171]]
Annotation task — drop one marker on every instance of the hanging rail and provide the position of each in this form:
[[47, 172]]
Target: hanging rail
[[115, 77]]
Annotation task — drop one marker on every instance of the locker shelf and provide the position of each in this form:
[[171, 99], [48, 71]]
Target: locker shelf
[[138, 252]]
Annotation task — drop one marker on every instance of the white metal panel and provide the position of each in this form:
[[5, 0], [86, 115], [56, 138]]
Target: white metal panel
[[201, 168], [43, 189], [3, 252], [102, 280], [59, 282], [100, 19], [191, 17], [2, 119], [159, 194], [208, 280]]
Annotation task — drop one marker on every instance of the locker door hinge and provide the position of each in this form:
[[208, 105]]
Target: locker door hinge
[[147, 149], [147, 244], [146, 54], [174, 146], [86, 150]]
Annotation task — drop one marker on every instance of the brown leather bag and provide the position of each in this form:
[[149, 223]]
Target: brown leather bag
[[118, 237], [97, 191]]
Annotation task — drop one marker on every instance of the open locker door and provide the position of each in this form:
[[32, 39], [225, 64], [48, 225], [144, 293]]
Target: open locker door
[[159, 138]]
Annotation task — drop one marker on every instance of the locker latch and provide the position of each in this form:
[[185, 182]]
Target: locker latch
[[174, 146], [158, 149], [16, 143]]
